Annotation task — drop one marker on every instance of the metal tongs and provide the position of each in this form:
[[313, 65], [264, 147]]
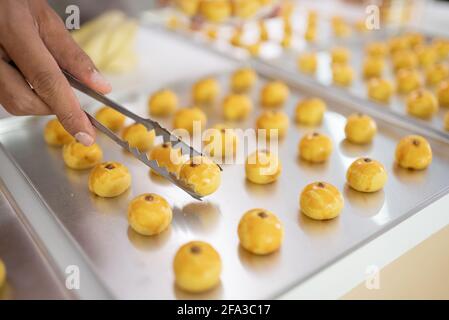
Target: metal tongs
[[175, 141]]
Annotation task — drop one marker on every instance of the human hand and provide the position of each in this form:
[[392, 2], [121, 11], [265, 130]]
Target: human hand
[[35, 39]]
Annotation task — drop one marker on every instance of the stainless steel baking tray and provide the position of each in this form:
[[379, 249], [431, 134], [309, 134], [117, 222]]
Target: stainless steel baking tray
[[287, 64], [134, 266]]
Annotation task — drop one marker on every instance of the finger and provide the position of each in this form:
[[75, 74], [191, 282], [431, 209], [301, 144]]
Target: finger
[[69, 55], [26, 49], [16, 95]]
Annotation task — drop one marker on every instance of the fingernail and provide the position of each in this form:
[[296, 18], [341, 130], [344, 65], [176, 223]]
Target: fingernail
[[84, 138], [97, 78]]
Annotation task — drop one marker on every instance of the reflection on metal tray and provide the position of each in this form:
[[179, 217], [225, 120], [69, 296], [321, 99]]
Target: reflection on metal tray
[[134, 266]]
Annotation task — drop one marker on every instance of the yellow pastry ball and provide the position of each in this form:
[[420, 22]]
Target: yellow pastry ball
[[149, 214], [380, 90], [442, 47], [202, 174], [307, 62], [163, 103], [373, 67], [408, 80], [206, 91], [245, 8], [167, 157], [404, 59], [188, 118], [286, 41], [446, 121], [414, 39], [366, 175], [110, 118], [443, 94], [340, 55], [427, 55], [139, 137], [2, 274], [222, 142], [263, 31], [376, 49], [237, 107], [413, 152], [260, 232], [253, 49], [109, 179], [360, 128], [310, 111], [236, 38], [315, 147], [243, 80], [197, 267], [437, 73], [189, 7], [274, 94], [342, 74], [78, 156], [55, 134], [310, 34], [321, 201], [262, 167], [215, 10], [422, 103], [273, 120]]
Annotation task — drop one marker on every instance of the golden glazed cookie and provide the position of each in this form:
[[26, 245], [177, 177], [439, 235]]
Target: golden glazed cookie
[[260, 232], [310, 112], [78, 156], [205, 91], [215, 10], [422, 103], [273, 122], [373, 67], [109, 179], [222, 142], [138, 136], [307, 62], [321, 201], [443, 94], [380, 90], [342, 74], [168, 157], [55, 134], [408, 80], [245, 8], [189, 7], [162, 103], [366, 175], [243, 80], [274, 94], [397, 44], [413, 152], [360, 128], [414, 39], [149, 214], [2, 274], [437, 73], [262, 167], [427, 55], [405, 59], [315, 147], [310, 34], [340, 55], [446, 121], [442, 47], [188, 118], [237, 107], [197, 267], [110, 118], [376, 49], [202, 174]]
